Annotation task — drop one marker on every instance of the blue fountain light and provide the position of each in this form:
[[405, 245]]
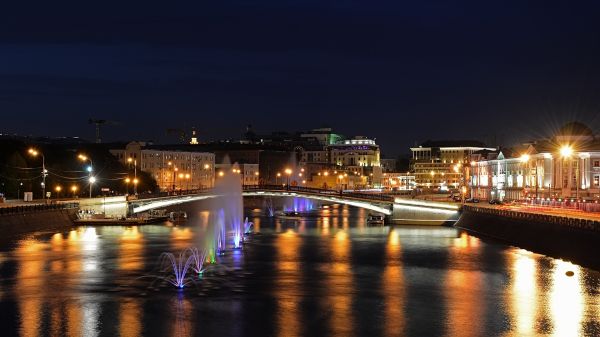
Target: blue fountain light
[[189, 259]]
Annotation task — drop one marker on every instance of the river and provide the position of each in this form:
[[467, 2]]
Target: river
[[327, 275]]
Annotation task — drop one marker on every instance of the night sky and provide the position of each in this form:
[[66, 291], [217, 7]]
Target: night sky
[[398, 71]]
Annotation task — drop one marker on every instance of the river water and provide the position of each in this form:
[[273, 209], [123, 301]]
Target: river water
[[328, 275]]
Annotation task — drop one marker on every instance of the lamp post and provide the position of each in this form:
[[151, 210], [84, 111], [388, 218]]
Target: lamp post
[[277, 178], [74, 190], [92, 181], [34, 153], [288, 172], [58, 189], [127, 181], [566, 151], [89, 168], [525, 161], [19, 185], [129, 160]]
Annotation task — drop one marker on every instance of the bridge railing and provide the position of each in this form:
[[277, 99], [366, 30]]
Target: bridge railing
[[170, 193], [320, 191]]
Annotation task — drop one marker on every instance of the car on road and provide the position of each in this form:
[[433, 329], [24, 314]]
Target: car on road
[[473, 200], [496, 202]]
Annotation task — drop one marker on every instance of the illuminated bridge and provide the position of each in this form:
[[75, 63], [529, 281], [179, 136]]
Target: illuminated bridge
[[399, 210]]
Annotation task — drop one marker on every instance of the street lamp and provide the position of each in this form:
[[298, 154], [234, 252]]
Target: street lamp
[[34, 153], [341, 178], [566, 151], [92, 180], [89, 168], [288, 172], [127, 181], [129, 160], [277, 179], [525, 160], [74, 190], [58, 189]]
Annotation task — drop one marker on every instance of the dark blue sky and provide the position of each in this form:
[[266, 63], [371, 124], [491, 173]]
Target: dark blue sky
[[398, 71]]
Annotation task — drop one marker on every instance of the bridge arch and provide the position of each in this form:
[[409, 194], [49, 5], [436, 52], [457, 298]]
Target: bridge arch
[[145, 205], [356, 203]]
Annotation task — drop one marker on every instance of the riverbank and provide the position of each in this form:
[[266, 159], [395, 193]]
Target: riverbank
[[27, 219], [568, 238]]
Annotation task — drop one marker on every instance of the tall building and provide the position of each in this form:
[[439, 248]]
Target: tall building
[[359, 155], [172, 169], [438, 164]]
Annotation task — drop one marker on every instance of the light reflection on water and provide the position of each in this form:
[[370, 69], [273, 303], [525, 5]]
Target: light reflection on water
[[288, 284], [393, 286], [326, 275]]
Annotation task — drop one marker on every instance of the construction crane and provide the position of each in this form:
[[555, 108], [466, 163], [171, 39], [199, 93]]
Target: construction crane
[[98, 123]]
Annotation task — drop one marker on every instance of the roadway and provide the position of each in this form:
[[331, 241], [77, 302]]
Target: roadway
[[544, 210]]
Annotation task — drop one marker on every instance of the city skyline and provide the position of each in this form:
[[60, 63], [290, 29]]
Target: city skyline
[[399, 73]]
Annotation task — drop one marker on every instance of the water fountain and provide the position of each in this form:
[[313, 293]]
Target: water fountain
[[226, 229], [178, 267], [268, 205], [297, 204], [248, 226]]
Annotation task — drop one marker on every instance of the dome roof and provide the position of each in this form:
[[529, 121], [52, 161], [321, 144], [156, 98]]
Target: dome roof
[[575, 129]]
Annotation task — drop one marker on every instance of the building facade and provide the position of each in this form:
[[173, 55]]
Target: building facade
[[172, 169], [249, 173], [566, 166], [440, 164]]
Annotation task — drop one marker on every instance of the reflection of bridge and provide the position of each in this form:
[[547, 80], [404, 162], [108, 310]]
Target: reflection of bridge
[[404, 210]]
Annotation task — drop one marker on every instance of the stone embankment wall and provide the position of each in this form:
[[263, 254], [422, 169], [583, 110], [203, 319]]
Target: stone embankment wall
[[26, 219], [557, 236]]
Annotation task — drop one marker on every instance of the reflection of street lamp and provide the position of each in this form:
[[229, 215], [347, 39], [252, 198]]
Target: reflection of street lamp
[[34, 153]]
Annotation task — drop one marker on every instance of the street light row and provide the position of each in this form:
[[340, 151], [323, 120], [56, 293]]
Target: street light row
[[91, 178]]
